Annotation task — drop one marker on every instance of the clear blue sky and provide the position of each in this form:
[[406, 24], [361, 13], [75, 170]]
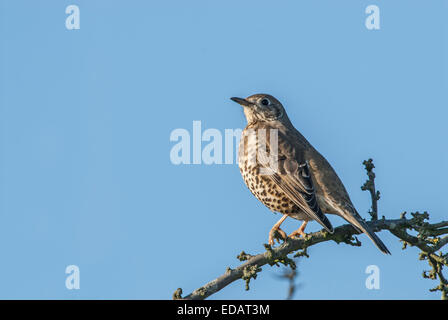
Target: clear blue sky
[[86, 116]]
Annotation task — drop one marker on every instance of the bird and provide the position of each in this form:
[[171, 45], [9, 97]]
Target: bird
[[288, 175]]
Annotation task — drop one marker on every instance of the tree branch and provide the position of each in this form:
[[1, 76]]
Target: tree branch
[[428, 240], [344, 233], [369, 185]]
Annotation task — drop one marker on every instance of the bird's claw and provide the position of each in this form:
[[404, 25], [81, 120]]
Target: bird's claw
[[276, 234], [298, 234]]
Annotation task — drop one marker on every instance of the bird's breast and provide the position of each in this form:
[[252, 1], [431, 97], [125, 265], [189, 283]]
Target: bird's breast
[[261, 185]]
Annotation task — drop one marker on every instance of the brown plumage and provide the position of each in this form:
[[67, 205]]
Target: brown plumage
[[284, 171]]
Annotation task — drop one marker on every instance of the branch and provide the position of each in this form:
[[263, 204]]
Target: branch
[[428, 240], [272, 256], [370, 186]]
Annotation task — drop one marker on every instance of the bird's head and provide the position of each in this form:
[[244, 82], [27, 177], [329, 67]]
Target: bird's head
[[261, 107]]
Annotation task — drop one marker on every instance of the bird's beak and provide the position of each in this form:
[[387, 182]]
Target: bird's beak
[[242, 102]]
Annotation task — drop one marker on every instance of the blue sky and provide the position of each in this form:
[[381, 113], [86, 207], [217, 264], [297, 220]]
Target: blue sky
[[86, 116]]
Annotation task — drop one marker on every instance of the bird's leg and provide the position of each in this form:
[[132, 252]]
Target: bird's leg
[[275, 228], [300, 232]]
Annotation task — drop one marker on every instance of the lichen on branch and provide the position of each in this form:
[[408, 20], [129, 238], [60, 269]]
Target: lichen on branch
[[430, 239]]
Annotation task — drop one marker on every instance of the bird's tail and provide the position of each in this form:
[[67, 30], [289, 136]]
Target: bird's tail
[[362, 226]]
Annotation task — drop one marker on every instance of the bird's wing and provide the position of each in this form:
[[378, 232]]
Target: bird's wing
[[294, 178], [340, 200]]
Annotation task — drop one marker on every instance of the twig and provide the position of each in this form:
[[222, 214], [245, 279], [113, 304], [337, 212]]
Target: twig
[[290, 275], [370, 186]]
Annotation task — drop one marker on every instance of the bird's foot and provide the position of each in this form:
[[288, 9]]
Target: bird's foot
[[276, 234], [297, 234], [300, 232]]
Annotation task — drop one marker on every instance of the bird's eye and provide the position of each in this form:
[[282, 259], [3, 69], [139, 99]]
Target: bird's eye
[[265, 102]]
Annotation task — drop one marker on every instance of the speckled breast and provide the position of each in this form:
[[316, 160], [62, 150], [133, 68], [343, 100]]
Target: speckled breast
[[261, 186]]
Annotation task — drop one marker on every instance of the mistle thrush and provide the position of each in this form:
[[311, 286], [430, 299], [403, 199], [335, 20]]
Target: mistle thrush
[[284, 171]]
